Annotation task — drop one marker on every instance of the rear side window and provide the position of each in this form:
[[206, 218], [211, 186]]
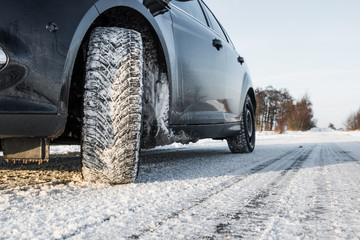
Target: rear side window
[[214, 23], [193, 8]]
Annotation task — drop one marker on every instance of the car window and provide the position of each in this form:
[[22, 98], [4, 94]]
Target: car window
[[214, 23], [193, 8]]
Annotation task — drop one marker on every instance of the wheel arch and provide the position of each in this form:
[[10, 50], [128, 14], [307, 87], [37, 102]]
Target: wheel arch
[[248, 89], [74, 69], [251, 93]]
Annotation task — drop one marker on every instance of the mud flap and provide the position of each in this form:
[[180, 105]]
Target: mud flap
[[25, 150]]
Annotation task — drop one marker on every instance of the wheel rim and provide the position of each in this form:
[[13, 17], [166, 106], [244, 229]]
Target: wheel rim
[[250, 126], [249, 123]]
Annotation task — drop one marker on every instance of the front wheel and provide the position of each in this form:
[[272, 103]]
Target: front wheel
[[112, 106], [245, 141]]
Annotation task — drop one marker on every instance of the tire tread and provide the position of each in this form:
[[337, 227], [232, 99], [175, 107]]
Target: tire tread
[[112, 106]]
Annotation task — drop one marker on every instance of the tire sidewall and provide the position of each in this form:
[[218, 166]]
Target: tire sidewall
[[250, 142]]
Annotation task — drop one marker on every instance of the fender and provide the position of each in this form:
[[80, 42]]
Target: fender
[[151, 10], [247, 86], [75, 44], [98, 8]]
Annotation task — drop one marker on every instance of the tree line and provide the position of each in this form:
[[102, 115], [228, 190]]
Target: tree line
[[353, 121], [278, 110]]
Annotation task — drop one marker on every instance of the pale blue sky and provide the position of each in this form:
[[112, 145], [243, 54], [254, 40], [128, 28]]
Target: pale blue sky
[[306, 46]]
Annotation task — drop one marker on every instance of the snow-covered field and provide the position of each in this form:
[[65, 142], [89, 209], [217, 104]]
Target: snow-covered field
[[296, 185]]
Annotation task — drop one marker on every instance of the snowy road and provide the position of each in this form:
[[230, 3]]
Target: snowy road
[[299, 185]]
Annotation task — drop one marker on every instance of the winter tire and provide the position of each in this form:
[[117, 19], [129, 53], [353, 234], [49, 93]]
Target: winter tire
[[245, 141], [112, 108]]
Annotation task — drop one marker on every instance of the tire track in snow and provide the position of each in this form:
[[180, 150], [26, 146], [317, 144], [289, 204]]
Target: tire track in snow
[[233, 181], [313, 206], [345, 156], [213, 191], [250, 210], [317, 209], [323, 211], [312, 209], [87, 226]]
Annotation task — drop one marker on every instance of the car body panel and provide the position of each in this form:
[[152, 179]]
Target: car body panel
[[211, 91], [201, 88], [37, 56], [35, 86], [30, 86]]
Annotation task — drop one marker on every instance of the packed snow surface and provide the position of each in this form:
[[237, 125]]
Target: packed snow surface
[[296, 185]]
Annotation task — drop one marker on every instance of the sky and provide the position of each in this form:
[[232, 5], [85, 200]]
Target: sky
[[307, 46]]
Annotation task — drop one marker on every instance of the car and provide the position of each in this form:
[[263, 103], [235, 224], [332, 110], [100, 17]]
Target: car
[[118, 76]]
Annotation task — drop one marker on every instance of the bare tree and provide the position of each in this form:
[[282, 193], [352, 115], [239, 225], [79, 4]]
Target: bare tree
[[353, 121], [260, 109], [332, 126], [286, 108], [277, 110], [302, 117]]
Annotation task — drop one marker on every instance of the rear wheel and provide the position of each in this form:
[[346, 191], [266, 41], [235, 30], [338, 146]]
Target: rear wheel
[[112, 108], [245, 141]]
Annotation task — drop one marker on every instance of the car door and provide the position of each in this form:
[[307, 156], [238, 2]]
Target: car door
[[235, 71], [201, 63]]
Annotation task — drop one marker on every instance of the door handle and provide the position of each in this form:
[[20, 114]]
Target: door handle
[[217, 43], [241, 60]]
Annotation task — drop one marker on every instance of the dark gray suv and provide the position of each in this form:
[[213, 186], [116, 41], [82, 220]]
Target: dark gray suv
[[116, 76]]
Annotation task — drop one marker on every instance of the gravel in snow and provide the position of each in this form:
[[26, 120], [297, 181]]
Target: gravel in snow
[[296, 185]]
